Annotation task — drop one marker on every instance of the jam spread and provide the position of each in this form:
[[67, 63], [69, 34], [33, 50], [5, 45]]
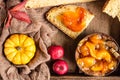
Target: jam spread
[[74, 20], [95, 56]]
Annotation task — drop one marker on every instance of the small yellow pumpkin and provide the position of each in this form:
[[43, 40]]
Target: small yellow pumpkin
[[19, 49]]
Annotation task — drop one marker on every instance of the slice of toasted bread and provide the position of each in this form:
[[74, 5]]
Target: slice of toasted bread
[[112, 7], [44, 3], [54, 12]]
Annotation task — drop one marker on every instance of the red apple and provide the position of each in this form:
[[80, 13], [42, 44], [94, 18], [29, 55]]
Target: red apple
[[60, 67], [56, 52]]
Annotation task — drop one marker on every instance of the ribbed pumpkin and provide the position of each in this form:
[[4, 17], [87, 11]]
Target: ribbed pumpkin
[[19, 49]]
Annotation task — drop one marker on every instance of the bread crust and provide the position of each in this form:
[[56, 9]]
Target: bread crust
[[54, 12], [44, 3]]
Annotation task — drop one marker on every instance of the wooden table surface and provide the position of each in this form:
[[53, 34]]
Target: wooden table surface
[[101, 23], [84, 78]]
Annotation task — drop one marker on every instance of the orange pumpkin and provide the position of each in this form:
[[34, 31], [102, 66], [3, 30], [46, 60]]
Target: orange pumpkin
[[19, 49]]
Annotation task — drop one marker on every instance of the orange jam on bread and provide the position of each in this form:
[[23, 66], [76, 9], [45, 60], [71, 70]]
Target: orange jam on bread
[[74, 20]]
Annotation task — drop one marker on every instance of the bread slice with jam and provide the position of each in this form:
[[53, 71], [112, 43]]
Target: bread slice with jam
[[71, 19]]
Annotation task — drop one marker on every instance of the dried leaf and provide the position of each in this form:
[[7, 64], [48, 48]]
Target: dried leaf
[[20, 15], [19, 6], [8, 20]]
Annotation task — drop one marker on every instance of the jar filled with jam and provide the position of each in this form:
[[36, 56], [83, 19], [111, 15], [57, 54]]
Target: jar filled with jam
[[94, 56]]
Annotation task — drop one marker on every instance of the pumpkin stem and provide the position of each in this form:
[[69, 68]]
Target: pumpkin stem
[[18, 48]]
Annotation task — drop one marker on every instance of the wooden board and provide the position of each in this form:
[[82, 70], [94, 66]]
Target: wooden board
[[83, 78], [101, 23]]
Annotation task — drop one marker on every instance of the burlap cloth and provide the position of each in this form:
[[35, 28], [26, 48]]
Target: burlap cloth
[[41, 31]]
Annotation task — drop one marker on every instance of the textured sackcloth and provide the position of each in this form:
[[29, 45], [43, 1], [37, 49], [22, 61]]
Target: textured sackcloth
[[2, 13], [41, 31]]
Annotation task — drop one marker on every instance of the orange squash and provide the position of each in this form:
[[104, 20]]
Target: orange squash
[[19, 49]]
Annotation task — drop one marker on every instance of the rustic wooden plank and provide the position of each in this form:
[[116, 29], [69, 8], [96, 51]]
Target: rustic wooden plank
[[83, 78]]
